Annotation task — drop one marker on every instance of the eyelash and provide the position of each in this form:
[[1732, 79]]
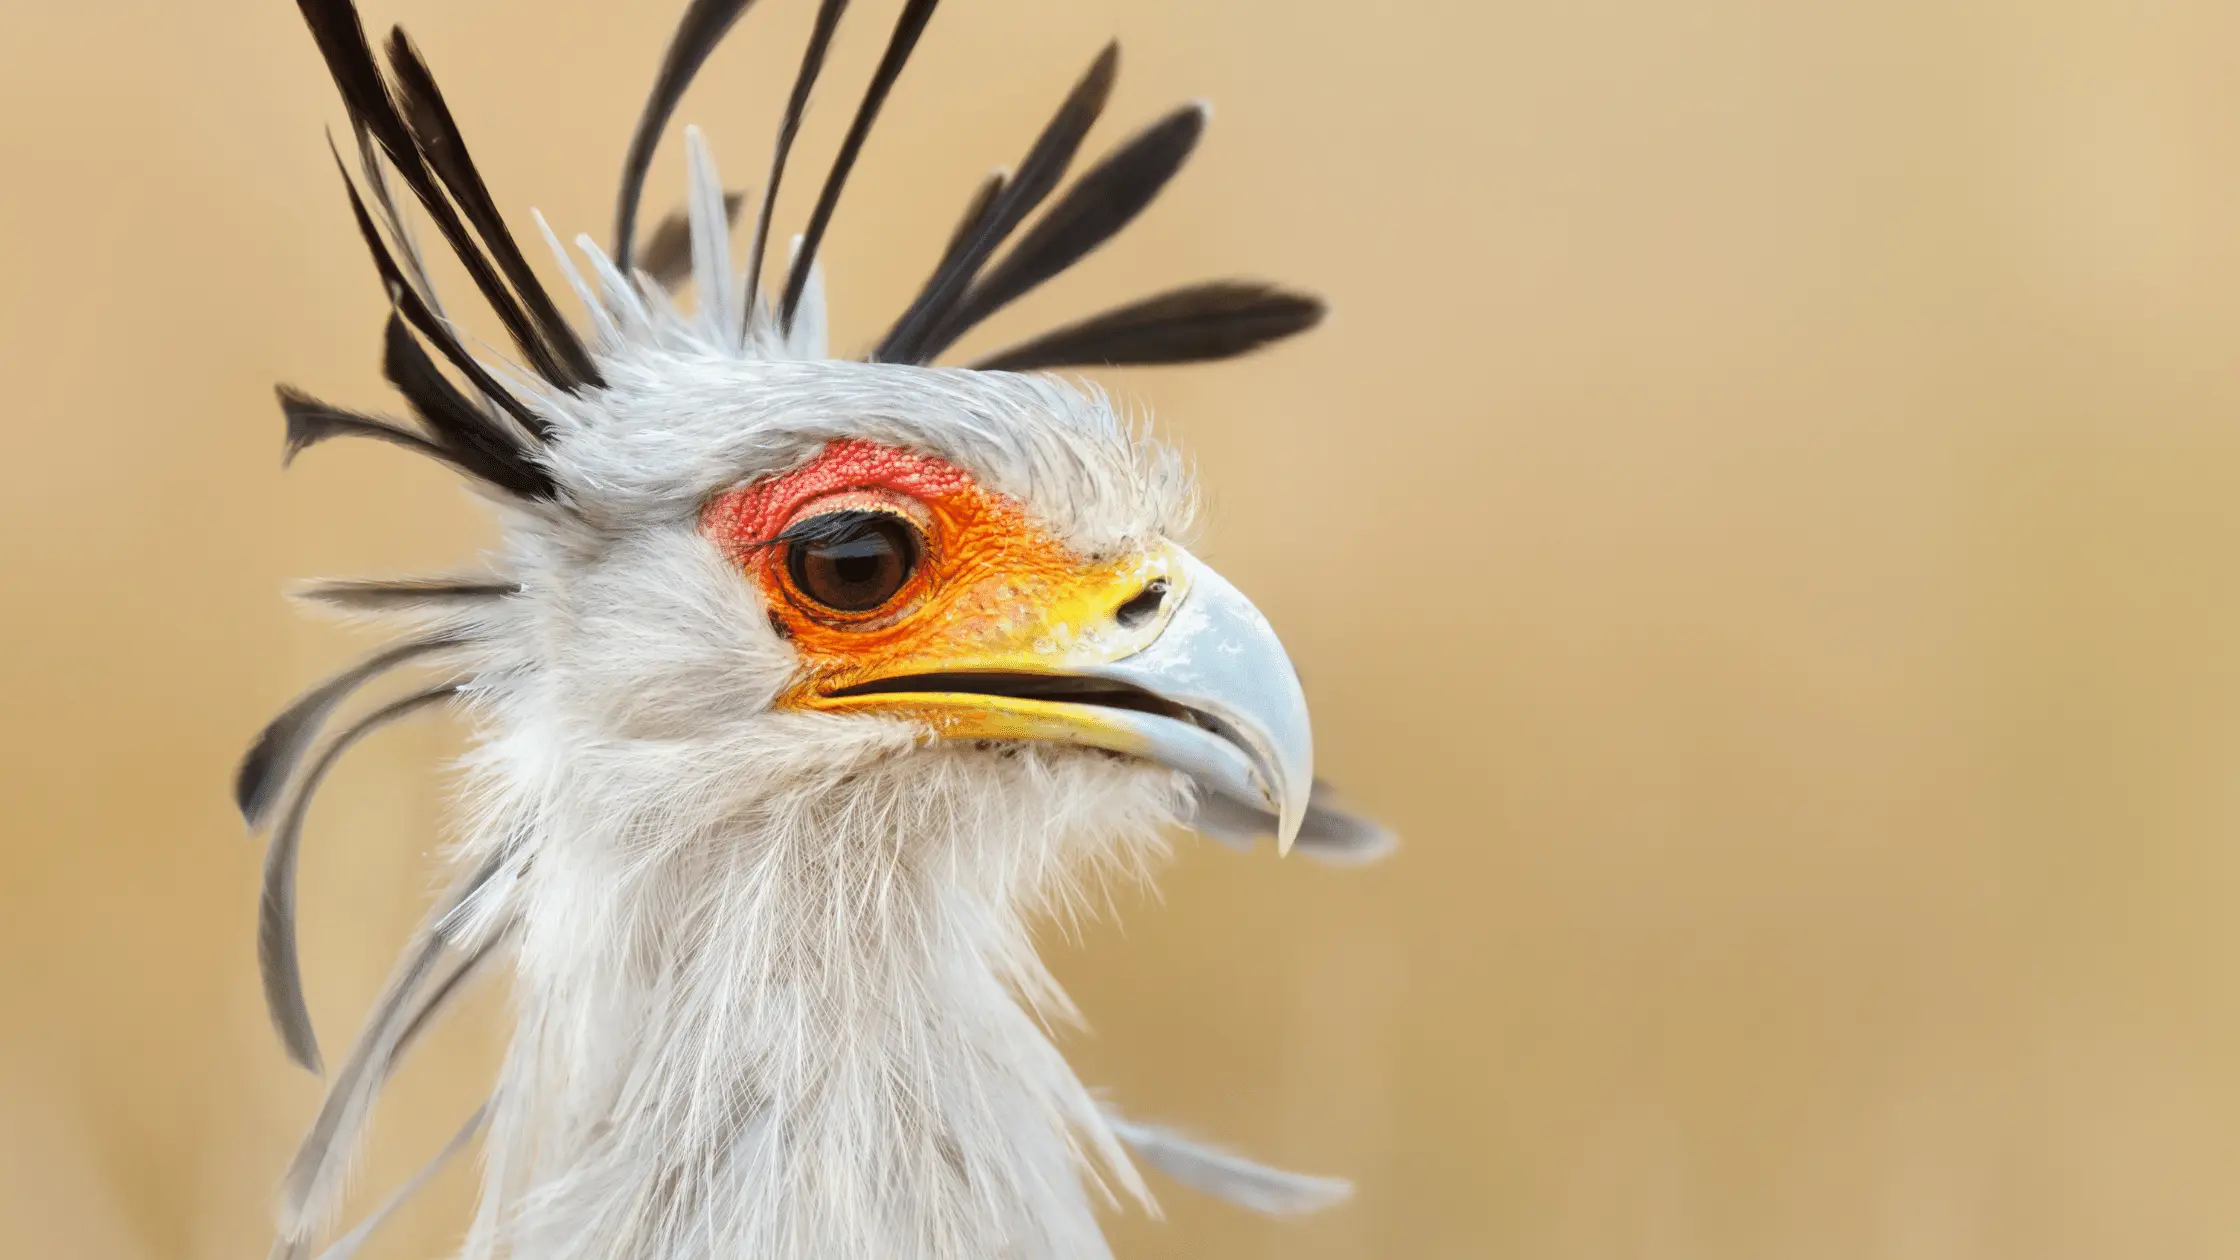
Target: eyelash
[[823, 527]]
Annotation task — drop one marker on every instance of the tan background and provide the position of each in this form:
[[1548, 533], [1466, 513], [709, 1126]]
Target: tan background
[[1760, 522]]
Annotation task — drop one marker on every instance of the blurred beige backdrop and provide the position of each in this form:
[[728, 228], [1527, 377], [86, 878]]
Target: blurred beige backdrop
[[1760, 522]]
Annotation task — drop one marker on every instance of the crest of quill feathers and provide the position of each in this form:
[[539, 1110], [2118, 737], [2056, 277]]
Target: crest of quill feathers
[[597, 647]]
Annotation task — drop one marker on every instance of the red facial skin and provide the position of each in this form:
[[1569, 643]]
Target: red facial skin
[[985, 572], [751, 513]]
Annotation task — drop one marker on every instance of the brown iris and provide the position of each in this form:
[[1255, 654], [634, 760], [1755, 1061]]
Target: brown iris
[[851, 561]]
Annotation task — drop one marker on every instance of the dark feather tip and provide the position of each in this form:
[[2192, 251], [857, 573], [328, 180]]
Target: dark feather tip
[[699, 30], [311, 422], [271, 761], [667, 253], [1195, 324]]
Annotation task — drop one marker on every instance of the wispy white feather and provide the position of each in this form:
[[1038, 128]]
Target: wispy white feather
[[1225, 1175], [349, 1244], [316, 1178], [620, 298], [711, 242], [607, 337]]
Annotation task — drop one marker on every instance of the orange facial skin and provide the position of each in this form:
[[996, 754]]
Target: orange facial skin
[[991, 591]]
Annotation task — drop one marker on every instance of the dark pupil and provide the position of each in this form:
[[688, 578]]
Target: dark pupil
[[855, 562]]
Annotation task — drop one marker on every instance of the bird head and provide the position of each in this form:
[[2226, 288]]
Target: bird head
[[802, 682], [810, 568]]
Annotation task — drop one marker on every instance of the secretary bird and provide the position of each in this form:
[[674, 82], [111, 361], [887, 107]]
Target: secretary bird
[[803, 686]]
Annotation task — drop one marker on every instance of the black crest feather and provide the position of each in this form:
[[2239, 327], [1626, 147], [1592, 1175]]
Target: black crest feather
[[469, 437], [424, 319], [703, 26], [1039, 173], [812, 64], [370, 165], [975, 214], [373, 105], [1219, 320], [311, 422], [553, 348], [907, 28], [1104, 200], [398, 594]]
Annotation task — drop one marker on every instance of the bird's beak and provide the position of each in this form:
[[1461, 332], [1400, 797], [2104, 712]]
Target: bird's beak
[[1157, 657]]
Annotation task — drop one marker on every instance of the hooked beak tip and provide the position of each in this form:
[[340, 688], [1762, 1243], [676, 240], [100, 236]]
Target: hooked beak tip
[[1219, 658]]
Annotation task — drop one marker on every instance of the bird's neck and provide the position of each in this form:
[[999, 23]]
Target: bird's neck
[[809, 1028]]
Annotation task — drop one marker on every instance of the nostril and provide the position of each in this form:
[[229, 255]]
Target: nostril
[[1143, 606]]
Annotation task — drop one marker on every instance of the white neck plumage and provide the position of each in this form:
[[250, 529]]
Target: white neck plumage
[[805, 1025]]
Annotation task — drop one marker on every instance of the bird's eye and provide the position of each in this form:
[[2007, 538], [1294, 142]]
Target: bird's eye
[[851, 561]]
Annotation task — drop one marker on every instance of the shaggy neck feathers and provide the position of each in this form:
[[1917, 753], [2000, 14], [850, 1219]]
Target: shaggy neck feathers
[[807, 1024]]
